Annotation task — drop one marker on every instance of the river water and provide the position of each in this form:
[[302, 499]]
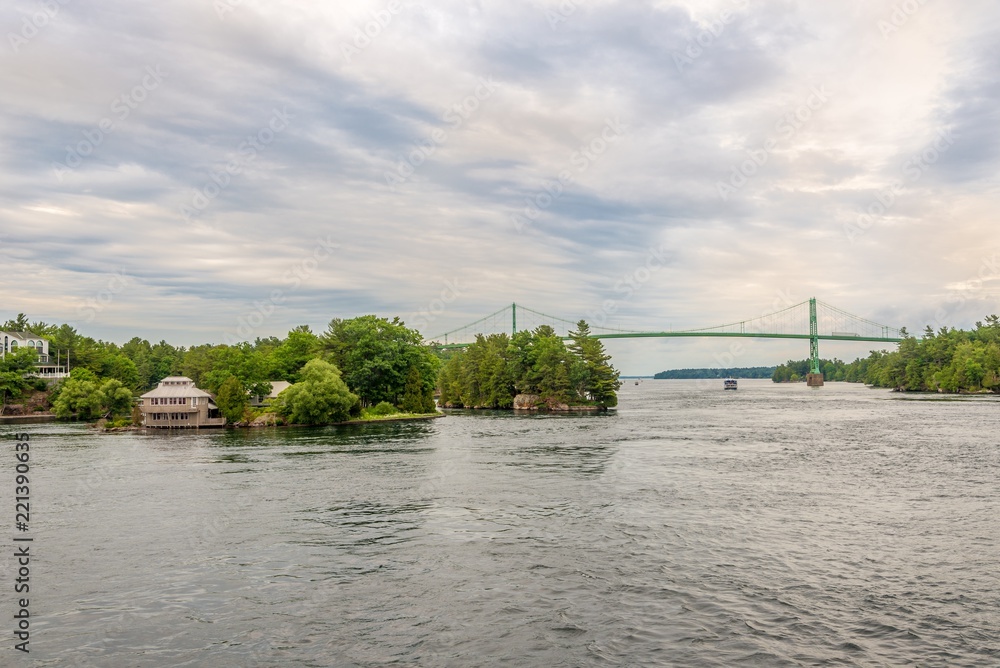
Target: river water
[[773, 526]]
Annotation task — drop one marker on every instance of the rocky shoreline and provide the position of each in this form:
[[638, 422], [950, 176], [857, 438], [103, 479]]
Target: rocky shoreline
[[535, 403]]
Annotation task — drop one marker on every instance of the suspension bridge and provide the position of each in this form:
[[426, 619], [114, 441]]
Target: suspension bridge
[[813, 320]]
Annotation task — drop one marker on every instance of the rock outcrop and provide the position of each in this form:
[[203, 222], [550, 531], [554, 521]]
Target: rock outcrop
[[265, 420], [527, 402]]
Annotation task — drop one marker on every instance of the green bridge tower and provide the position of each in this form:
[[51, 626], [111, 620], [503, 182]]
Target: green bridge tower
[[815, 376]]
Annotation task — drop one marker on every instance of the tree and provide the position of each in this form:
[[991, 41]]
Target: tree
[[18, 325], [594, 377], [416, 398], [81, 398], [120, 367], [117, 400], [14, 369], [320, 396], [375, 356], [550, 373], [286, 359], [232, 399], [12, 384]]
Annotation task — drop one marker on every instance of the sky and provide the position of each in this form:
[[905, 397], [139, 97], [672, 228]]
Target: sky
[[218, 170]]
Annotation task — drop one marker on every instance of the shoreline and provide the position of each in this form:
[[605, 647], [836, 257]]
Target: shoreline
[[35, 418], [135, 428]]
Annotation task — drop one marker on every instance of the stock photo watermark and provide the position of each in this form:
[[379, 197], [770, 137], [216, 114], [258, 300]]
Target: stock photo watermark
[[989, 270], [912, 170], [88, 309], [561, 12], [786, 127], [899, 16], [629, 284], [365, 35], [727, 359], [437, 306], [32, 24], [582, 158], [223, 7], [121, 108], [455, 116], [263, 309], [247, 152], [703, 41]]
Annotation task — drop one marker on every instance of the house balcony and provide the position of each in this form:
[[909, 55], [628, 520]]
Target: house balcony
[[173, 423], [48, 374], [168, 408]]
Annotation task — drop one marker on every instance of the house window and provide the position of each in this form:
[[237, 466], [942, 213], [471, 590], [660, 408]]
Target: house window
[[13, 345]]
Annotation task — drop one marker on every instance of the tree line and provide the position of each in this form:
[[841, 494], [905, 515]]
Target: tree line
[[947, 360], [370, 360], [491, 372]]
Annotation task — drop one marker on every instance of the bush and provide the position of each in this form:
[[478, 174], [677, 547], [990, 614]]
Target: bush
[[383, 408], [320, 396]]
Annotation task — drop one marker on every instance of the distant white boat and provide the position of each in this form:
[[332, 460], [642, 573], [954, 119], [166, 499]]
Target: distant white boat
[[729, 384]]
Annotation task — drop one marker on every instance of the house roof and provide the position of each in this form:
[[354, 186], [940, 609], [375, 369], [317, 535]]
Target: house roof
[[22, 336], [277, 386], [176, 386]]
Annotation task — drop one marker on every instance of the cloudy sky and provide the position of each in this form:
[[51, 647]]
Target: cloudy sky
[[203, 170]]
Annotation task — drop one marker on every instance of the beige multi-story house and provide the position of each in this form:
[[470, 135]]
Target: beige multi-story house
[[177, 403]]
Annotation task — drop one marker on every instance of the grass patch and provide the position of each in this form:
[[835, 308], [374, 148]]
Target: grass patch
[[368, 416]]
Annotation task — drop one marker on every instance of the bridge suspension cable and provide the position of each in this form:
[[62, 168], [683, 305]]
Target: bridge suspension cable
[[812, 319]]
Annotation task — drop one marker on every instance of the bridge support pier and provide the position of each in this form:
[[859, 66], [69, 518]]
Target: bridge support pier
[[814, 379]]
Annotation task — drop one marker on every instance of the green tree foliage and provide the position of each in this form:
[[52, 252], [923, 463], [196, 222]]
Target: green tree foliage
[[382, 409], [232, 399], [19, 324], [320, 396], [121, 368], [82, 395], [376, 355], [947, 360], [116, 399], [210, 366], [14, 367], [593, 376], [494, 369], [287, 358], [480, 376], [80, 398], [416, 399], [796, 370]]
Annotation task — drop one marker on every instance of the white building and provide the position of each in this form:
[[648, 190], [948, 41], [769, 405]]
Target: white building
[[277, 387], [47, 367]]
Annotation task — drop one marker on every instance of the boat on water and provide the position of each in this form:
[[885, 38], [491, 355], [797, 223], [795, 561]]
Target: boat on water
[[729, 384]]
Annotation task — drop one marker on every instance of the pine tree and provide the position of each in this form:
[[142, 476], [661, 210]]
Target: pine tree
[[598, 380]]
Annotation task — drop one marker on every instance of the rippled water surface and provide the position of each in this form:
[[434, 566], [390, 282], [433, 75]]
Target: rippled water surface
[[773, 526]]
